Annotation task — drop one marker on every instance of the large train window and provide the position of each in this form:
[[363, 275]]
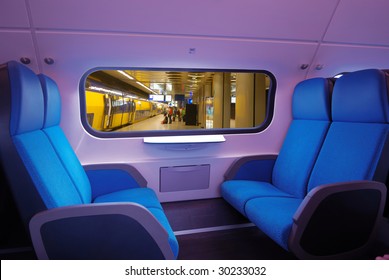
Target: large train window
[[139, 102]]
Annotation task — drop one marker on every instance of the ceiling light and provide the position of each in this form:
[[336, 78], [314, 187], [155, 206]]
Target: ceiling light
[[337, 76], [126, 75]]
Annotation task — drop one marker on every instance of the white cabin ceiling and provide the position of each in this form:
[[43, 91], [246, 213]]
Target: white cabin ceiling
[[276, 19], [360, 22], [276, 35]]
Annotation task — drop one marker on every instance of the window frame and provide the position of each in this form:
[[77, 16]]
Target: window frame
[[160, 133]]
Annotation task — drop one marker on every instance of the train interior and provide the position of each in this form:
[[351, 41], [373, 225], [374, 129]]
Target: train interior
[[194, 130]]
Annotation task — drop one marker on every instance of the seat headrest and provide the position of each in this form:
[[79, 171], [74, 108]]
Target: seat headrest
[[361, 96], [52, 101], [311, 99], [27, 99]]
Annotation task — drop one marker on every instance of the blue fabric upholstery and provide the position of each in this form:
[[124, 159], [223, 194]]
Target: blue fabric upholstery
[[298, 155], [39, 156], [59, 141], [256, 170], [24, 117], [357, 136], [27, 117], [366, 94], [311, 112], [274, 216], [238, 192], [349, 151], [110, 180], [47, 156], [311, 100], [52, 101], [70, 161], [143, 196]]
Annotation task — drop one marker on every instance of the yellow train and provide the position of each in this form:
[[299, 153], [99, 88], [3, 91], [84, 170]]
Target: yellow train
[[109, 110]]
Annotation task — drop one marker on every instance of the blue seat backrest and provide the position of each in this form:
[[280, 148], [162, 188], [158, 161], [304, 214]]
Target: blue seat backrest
[[38, 155], [54, 132], [311, 119], [357, 136]]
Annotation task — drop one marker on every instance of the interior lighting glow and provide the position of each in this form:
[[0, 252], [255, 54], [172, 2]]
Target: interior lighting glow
[[100, 89], [126, 75], [184, 139], [149, 89]]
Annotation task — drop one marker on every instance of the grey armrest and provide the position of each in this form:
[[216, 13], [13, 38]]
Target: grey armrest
[[132, 171], [262, 163], [99, 231], [108, 178], [342, 216]]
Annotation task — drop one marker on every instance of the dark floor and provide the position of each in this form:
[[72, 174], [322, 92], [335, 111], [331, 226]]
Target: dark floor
[[202, 235], [195, 214], [237, 244], [240, 243]]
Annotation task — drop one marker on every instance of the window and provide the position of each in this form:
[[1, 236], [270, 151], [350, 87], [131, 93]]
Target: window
[[140, 102]]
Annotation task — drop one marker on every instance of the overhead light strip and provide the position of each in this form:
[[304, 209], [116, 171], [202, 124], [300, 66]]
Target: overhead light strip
[[126, 75]]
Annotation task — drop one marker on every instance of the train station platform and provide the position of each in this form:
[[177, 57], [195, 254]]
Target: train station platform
[[155, 123]]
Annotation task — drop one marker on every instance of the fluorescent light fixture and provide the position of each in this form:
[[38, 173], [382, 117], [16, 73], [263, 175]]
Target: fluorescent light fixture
[[126, 75], [139, 83], [100, 89], [338, 76], [149, 89]]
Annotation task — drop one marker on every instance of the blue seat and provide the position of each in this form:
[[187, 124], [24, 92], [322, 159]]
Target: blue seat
[[346, 194], [286, 175], [66, 217]]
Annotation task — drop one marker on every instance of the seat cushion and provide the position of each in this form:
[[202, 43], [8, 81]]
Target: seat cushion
[[350, 152], [298, 155], [69, 161], [274, 216], [143, 196], [238, 192], [55, 187]]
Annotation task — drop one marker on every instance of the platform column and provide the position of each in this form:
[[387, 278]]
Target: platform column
[[201, 108], [250, 105], [221, 100], [207, 89], [260, 99]]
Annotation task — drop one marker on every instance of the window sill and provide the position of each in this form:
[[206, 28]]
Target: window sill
[[186, 139]]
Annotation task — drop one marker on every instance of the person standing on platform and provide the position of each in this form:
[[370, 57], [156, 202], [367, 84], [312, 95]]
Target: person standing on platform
[[183, 111], [179, 114], [170, 114]]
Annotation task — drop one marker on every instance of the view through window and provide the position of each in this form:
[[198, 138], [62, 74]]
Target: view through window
[[155, 100]]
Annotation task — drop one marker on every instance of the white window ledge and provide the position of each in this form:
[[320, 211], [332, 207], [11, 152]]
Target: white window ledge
[[184, 139]]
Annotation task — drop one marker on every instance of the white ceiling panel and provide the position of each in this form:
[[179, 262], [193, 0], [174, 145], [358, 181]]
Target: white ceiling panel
[[93, 50], [13, 13], [15, 45], [275, 19], [336, 59], [360, 22]]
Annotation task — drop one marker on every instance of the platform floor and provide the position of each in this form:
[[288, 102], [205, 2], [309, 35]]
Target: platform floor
[[155, 123]]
